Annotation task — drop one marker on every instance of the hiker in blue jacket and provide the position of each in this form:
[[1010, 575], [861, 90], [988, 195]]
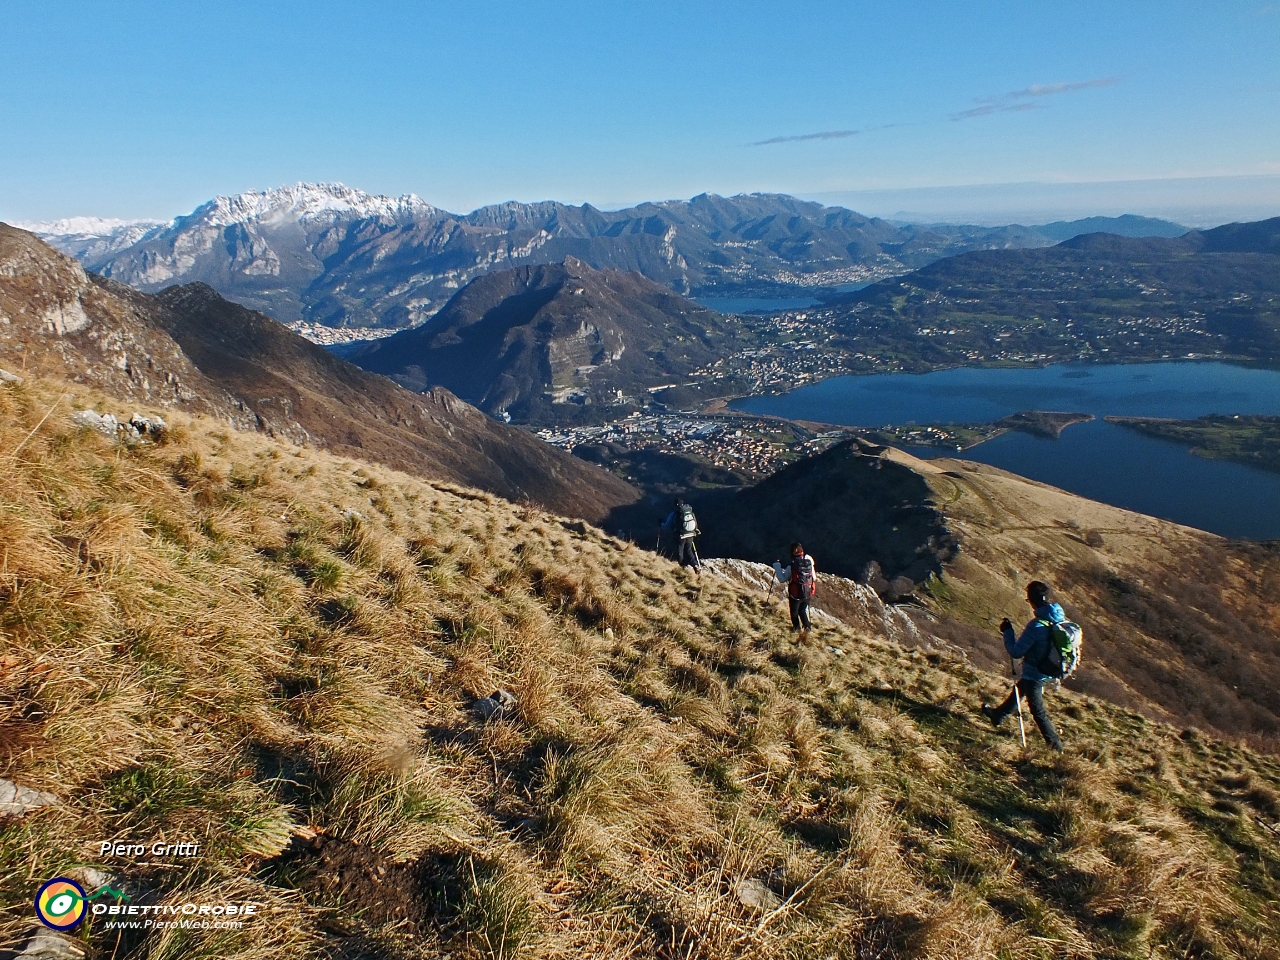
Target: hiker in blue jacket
[[1033, 648]]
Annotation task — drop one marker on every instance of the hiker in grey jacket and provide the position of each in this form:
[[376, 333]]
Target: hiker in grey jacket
[[680, 528], [1033, 648]]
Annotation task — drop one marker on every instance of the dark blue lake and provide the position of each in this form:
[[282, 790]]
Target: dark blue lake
[[1096, 460]]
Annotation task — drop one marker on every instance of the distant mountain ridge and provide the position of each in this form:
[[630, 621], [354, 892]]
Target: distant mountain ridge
[[331, 254], [1127, 225], [1207, 294]]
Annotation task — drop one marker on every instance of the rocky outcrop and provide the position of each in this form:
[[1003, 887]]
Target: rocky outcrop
[[49, 945], [838, 598], [136, 429], [189, 349], [56, 320]]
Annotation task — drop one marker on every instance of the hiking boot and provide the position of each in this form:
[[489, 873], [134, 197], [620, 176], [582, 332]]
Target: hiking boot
[[990, 713]]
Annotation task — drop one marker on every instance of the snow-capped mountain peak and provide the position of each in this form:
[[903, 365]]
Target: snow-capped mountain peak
[[306, 202]]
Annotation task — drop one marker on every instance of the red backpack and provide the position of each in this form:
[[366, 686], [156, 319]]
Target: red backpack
[[802, 578]]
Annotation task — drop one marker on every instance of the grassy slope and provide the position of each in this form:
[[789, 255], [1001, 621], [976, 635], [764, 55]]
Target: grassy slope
[[226, 638]]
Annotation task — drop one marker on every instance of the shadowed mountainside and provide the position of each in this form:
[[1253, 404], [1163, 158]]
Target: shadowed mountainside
[[348, 410], [541, 342], [848, 506], [187, 348]]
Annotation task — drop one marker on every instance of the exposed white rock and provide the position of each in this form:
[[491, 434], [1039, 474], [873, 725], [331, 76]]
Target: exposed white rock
[[105, 424], [132, 430], [65, 318], [306, 201], [93, 879], [870, 612], [16, 799], [49, 945], [81, 226], [91, 239], [7, 377]]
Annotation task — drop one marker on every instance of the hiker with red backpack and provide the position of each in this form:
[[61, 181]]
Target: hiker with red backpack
[[1050, 651], [801, 578]]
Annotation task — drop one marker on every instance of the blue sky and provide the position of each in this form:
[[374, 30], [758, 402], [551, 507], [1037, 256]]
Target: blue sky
[[133, 109]]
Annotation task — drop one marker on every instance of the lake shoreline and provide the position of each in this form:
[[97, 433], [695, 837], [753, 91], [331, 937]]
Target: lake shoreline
[[1248, 439], [1102, 460]]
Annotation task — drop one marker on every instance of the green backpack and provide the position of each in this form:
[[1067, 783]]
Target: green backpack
[[1063, 655]]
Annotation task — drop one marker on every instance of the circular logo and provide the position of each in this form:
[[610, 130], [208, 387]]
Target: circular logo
[[60, 904]]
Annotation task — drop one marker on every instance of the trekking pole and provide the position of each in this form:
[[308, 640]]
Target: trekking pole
[[1022, 730], [1017, 696]]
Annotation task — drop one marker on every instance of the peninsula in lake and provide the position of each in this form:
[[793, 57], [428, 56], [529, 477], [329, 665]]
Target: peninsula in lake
[[1247, 439]]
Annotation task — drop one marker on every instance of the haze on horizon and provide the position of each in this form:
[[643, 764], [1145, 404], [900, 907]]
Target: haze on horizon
[[982, 111]]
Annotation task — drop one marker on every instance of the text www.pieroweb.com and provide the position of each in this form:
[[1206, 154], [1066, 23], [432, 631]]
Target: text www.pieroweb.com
[[188, 916]]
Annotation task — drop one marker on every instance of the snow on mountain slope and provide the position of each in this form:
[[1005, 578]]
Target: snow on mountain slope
[[82, 226], [263, 247], [302, 202], [91, 239]]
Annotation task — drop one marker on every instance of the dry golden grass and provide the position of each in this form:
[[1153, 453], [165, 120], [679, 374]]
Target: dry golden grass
[[231, 640]]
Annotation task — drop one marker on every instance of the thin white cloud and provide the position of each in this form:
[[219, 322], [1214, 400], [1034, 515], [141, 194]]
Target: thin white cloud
[[1049, 89], [1027, 97], [987, 108], [824, 135]]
